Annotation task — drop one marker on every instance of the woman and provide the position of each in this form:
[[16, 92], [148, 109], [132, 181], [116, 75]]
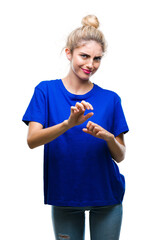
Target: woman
[[81, 126]]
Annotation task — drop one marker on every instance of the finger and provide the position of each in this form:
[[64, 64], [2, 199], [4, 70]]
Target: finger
[[89, 124], [102, 134], [87, 131], [91, 106], [99, 134], [90, 127], [74, 109], [87, 105], [93, 129], [88, 115], [98, 127], [96, 130], [80, 106]]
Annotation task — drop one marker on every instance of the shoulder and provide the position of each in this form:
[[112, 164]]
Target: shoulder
[[44, 85], [109, 94]]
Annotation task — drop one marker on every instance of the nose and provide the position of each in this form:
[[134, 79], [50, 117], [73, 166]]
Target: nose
[[90, 64]]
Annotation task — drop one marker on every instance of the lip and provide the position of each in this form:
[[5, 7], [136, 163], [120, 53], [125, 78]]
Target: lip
[[86, 71]]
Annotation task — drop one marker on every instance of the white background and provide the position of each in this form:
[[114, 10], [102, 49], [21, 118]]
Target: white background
[[33, 34]]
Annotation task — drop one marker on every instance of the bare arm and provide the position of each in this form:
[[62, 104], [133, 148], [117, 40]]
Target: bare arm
[[116, 144], [37, 135], [117, 147]]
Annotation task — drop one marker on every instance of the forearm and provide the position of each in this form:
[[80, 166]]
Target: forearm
[[46, 135], [117, 149]]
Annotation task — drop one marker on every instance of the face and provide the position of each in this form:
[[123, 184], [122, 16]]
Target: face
[[85, 60]]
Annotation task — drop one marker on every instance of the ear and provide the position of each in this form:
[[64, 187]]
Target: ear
[[68, 54]]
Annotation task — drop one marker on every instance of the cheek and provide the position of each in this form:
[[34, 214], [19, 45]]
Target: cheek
[[77, 63], [97, 65], [73, 67]]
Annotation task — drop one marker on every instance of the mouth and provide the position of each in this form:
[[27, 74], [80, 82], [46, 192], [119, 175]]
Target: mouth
[[86, 71]]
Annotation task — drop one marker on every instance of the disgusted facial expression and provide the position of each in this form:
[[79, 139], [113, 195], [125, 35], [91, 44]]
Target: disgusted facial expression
[[85, 60]]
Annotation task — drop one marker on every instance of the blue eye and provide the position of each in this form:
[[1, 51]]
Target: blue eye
[[84, 56], [98, 58]]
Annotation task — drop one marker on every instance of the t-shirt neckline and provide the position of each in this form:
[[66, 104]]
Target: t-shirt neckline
[[77, 96]]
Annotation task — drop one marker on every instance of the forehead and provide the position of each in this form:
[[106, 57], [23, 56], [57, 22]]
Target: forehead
[[90, 47]]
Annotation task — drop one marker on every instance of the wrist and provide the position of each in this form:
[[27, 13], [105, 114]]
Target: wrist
[[110, 138], [67, 125]]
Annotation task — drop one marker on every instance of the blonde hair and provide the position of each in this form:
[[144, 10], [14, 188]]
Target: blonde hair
[[89, 31]]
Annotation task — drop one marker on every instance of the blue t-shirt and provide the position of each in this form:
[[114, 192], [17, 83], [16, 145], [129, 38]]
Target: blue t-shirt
[[78, 168]]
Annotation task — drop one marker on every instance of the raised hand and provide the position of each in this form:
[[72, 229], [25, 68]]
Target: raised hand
[[97, 131], [77, 113]]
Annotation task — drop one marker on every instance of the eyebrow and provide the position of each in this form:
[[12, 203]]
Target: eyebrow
[[88, 54]]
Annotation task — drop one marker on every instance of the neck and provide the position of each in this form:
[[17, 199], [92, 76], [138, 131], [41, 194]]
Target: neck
[[77, 85]]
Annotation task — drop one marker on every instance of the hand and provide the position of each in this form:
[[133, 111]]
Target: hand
[[77, 113], [97, 131]]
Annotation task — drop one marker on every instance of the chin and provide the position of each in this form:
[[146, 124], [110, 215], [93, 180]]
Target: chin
[[85, 79]]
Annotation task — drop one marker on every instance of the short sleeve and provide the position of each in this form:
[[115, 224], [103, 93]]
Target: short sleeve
[[36, 108], [119, 120]]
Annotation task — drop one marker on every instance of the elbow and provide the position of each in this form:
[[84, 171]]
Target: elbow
[[122, 155], [120, 158], [30, 143]]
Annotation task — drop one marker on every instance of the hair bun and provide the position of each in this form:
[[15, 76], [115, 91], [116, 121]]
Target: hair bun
[[90, 20]]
